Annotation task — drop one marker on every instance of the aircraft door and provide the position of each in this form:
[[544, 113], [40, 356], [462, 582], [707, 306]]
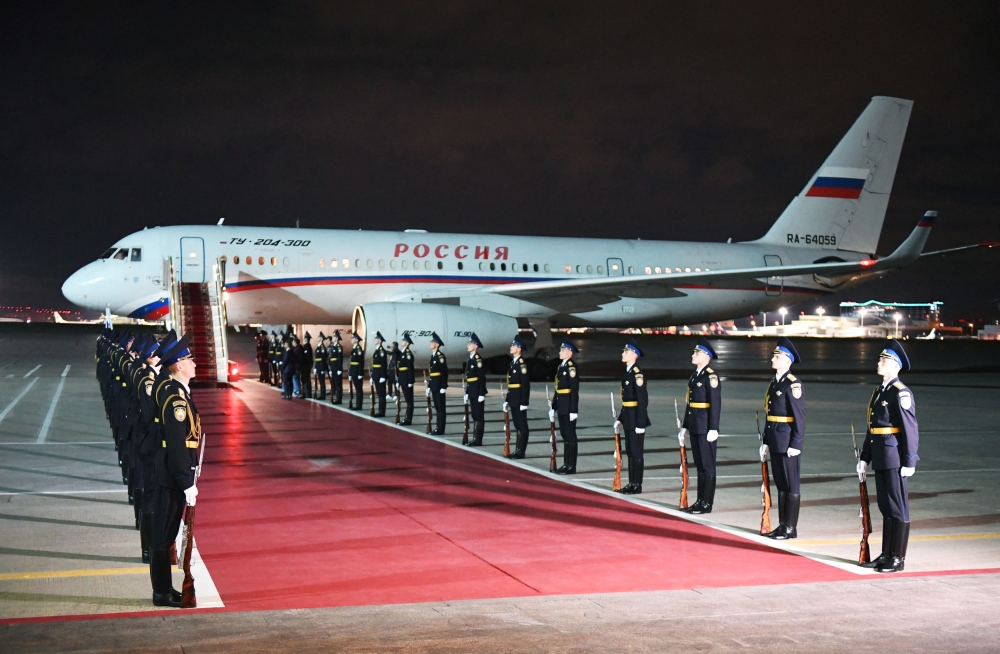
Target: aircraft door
[[193, 259], [615, 268], [774, 285]]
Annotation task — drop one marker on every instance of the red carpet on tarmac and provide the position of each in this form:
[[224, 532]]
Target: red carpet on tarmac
[[303, 505]]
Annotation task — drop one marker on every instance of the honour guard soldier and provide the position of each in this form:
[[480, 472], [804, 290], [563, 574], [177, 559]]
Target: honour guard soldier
[[174, 466], [701, 421], [391, 370], [406, 372], [321, 365], [518, 394], [438, 374], [380, 362], [306, 365], [276, 350], [633, 417], [263, 357], [336, 354], [785, 406], [566, 405], [289, 368], [891, 449], [475, 390], [356, 371]]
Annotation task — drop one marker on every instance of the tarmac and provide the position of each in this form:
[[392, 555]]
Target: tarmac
[[68, 548]]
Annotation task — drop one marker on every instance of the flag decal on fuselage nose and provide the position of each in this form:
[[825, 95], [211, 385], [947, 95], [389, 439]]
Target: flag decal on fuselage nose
[[834, 182]]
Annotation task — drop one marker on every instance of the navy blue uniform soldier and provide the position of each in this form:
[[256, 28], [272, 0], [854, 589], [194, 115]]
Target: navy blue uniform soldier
[[174, 466], [518, 395], [475, 390], [335, 352], [566, 405], [356, 372], [633, 418], [380, 365], [406, 372], [306, 365], [438, 374], [891, 449], [321, 365], [703, 407], [784, 431]]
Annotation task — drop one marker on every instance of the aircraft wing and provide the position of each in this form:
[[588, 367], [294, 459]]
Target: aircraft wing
[[581, 295]]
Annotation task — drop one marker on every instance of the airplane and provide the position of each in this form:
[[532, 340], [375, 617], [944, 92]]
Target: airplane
[[455, 284]]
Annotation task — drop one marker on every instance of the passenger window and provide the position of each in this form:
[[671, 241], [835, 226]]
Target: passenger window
[[579, 268], [493, 266], [536, 267], [600, 270], [321, 263], [284, 261], [333, 263], [121, 254], [482, 265], [546, 267], [223, 258], [347, 263], [440, 265], [590, 270], [260, 261], [503, 266], [136, 254], [631, 270], [274, 261], [460, 267], [236, 260], [404, 263], [107, 255]]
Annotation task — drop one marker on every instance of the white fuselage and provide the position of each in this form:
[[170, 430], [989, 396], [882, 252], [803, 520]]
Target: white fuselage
[[318, 276]]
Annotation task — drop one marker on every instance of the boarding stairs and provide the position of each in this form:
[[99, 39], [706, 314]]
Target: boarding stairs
[[198, 311]]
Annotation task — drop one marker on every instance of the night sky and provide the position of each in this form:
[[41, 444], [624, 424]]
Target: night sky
[[693, 121]]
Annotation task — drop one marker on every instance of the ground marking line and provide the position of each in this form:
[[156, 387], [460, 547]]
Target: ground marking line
[[62, 574], [108, 443], [854, 541], [813, 474], [31, 371], [44, 431], [74, 492], [17, 399]]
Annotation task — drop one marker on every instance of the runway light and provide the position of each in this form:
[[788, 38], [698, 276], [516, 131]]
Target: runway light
[[820, 310]]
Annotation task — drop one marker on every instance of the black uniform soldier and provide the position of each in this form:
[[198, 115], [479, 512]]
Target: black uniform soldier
[[438, 374], [566, 405], [306, 365], [406, 372], [633, 417], [174, 467], [891, 449], [263, 357], [475, 390], [289, 367], [149, 441], [391, 373], [785, 405], [356, 372], [518, 394], [380, 363], [703, 407], [277, 349], [336, 353], [321, 364]]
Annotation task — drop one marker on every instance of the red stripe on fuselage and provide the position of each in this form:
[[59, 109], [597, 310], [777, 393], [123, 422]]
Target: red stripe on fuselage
[[834, 192]]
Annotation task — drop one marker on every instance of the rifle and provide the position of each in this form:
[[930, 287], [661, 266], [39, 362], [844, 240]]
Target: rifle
[[371, 383], [618, 448], [684, 463], [765, 487], [188, 600], [398, 391], [427, 392], [864, 556], [506, 423], [465, 433], [552, 431]]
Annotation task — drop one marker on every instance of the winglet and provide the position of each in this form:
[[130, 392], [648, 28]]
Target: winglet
[[910, 249]]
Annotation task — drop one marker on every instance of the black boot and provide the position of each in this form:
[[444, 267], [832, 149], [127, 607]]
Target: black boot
[[704, 505], [886, 545], [520, 445], [478, 427], [897, 556], [145, 534], [635, 479], [159, 574], [791, 517], [780, 529]]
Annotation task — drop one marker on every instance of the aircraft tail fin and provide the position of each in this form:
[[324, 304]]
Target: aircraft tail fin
[[843, 205]]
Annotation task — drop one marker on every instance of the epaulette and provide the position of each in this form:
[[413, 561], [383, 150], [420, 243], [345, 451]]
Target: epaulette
[[571, 364], [790, 377], [636, 369], [900, 386], [709, 371]]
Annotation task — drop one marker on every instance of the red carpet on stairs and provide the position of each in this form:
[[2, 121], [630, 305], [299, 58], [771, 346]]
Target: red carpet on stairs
[[303, 505]]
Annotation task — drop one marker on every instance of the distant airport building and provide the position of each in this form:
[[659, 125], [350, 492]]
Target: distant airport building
[[901, 316]]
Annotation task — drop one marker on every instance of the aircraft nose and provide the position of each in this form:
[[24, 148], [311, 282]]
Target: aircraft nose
[[82, 288]]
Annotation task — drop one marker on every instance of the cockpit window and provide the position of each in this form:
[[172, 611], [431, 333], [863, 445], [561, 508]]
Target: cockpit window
[[108, 254], [121, 254], [136, 254]]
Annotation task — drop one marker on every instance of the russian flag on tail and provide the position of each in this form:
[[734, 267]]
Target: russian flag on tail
[[844, 183]]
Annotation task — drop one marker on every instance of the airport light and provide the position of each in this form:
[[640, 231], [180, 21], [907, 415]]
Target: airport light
[[820, 311], [783, 311], [897, 317], [862, 312]]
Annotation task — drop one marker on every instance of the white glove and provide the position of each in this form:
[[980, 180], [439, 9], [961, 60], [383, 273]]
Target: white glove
[[618, 425], [191, 494], [482, 398], [861, 470], [680, 436], [713, 435], [381, 381], [409, 385], [906, 472], [573, 417], [793, 452], [552, 415], [465, 398], [640, 431], [763, 453], [428, 391], [506, 407], [444, 390], [524, 407]]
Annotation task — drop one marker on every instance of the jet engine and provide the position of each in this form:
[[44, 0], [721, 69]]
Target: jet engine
[[452, 323]]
